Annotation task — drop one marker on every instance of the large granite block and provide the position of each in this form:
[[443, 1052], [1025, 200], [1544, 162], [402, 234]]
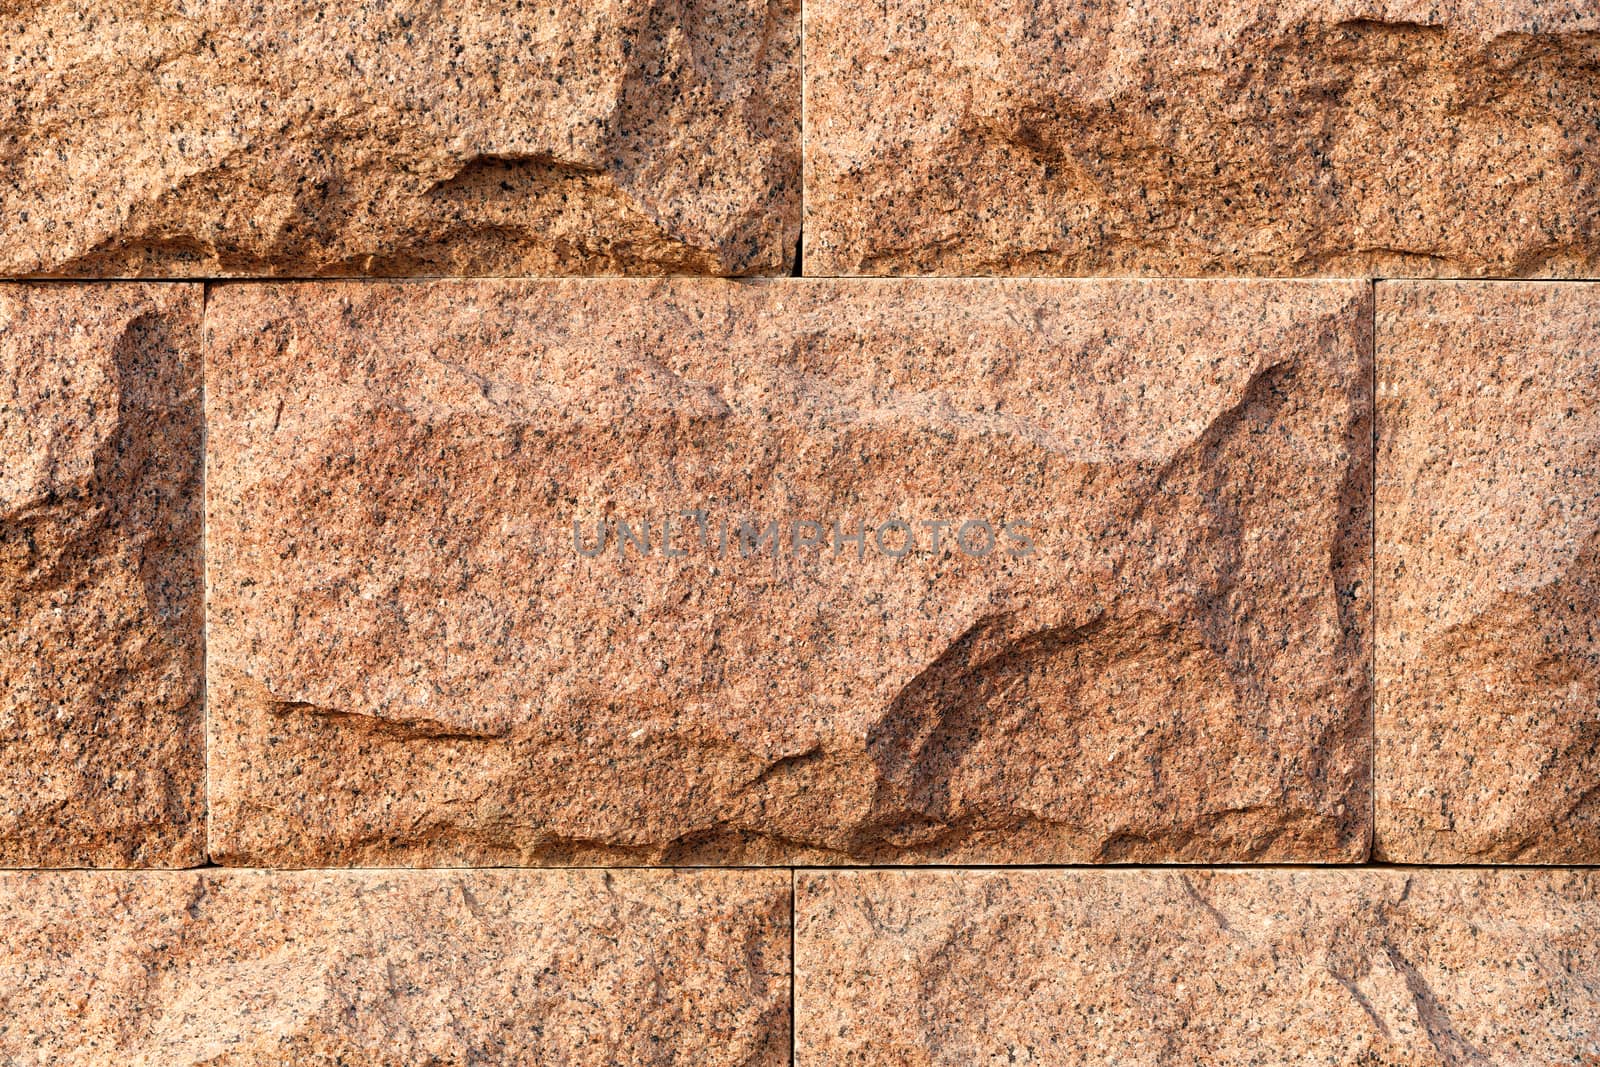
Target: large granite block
[[1488, 571], [1383, 968], [101, 739], [480, 593], [309, 138], [383, 969], [1203, 137]]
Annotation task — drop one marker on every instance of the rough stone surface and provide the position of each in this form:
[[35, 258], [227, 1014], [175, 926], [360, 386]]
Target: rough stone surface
[[1401, 137], [101, 738], [1382, 968], [360, 137], [362, 969], [1488, 565], [413, 662]]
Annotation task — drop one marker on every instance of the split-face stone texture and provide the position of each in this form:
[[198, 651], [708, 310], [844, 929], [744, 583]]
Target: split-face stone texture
[[1198, 137], [382, 969], [412, 662], [1384, 968], [311, 138], [101, 733], [1488, 570]]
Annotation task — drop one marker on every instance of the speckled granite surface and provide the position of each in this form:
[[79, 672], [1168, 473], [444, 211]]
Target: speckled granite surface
[[1383, 968], [101, 736], [360, 137], [1488, 570], [362, 969], [636, 670], [1185, 137], [411, 661]]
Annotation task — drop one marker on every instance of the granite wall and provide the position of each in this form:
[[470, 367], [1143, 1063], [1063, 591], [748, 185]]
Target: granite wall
[[718, 532]]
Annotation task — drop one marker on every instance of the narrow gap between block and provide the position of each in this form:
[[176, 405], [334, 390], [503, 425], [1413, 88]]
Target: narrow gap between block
[[1234, 867], [1372, 591], [205, 580], [794, 1002], [395, 279]]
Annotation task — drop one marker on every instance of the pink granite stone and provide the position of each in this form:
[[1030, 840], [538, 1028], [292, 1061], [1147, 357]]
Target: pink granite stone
[[101, 720], [306, 137], [1164, 657], [1152, 968], [1203, 137], [1488, 569], [384, 969]]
